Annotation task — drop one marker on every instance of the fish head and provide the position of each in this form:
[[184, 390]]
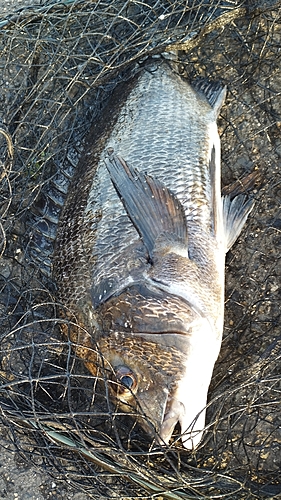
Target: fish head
[[164, 377], [142, 374]]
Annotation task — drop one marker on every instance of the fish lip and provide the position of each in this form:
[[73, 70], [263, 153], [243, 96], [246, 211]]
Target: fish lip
[[191, 435], [172, 416]]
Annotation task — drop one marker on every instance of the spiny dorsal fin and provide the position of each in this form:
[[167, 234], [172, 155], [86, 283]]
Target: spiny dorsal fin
[[214, 92], [154, 210], [235, 213]]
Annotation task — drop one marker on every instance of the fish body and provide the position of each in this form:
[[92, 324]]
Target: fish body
[[141, 244]]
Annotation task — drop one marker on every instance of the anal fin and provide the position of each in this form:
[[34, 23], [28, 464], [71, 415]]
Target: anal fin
[[235, 214], [242, 186]]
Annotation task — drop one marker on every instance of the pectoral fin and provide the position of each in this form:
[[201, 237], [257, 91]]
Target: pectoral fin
[[235, 213], [155, 211]]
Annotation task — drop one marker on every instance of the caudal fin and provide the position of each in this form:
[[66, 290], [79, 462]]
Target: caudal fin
[[214, 92]]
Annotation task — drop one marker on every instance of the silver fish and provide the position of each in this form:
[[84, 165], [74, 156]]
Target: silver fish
[[141, 247]]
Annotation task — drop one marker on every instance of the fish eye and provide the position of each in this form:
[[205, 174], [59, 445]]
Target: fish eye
[[127, 379]]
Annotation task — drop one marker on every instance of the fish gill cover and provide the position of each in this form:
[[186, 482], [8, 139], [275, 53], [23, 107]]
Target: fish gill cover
[[60, 62]]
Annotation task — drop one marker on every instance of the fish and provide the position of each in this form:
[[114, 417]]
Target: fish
[[140, 250]]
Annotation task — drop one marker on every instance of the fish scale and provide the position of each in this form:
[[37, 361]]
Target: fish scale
[[168, 150], [140, 248], [164, 152]]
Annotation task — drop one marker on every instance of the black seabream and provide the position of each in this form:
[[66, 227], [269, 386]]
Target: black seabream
[[141, 246]]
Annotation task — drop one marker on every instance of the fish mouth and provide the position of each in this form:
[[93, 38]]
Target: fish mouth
[[191, 430]]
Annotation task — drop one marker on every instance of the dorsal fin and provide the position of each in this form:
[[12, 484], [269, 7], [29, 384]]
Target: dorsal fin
[[154, 210], [214, 92]]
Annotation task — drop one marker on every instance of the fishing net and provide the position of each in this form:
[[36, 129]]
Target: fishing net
[[60, 62]]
